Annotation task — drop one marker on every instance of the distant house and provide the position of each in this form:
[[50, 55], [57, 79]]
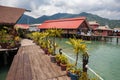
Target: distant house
[[93, 24], [117, 31], [68, 25], [104, 31], [34, 27], [9, 15], [22, 26]]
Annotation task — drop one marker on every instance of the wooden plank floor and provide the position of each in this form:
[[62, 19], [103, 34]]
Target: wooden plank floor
[[31, 63]]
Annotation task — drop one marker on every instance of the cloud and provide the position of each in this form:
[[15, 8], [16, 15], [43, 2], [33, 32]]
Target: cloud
[[104, 8]]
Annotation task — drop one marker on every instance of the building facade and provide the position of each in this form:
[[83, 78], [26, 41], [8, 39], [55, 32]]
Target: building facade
[[70, 26]]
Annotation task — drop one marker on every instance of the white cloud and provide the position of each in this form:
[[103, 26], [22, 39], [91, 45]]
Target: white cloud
[[104, 8], [11, 3]]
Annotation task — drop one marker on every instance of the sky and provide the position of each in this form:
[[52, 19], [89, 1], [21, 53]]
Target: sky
[[105, 8]]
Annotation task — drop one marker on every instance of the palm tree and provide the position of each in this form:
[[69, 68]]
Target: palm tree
[[35, 36], [54, 33], [43, 39], [79, 46]]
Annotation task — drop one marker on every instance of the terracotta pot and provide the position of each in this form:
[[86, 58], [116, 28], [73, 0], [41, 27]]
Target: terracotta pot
[[58, 62], [48, 54], [63, 66], [53, 59], [45, 50]]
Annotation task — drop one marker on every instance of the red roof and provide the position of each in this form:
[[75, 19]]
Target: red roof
[[22, 26], [68, 23], [10, 15]]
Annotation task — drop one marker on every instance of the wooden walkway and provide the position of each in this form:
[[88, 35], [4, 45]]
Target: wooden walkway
[[31, 63]]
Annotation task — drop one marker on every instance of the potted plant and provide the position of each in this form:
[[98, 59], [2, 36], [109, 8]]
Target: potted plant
[[53, 57], [8, 38], [3, 38], [17, 41], [35, 36], [64, 61], [4, 43], [54, 33], [84, 76], [69, 66], [74, 73], [58, 56], [79, 46]]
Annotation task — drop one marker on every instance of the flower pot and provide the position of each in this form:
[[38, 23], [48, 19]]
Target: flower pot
[[73, 76], [48, 54], [63, 66], [46, 51], [68, 73], [53, 59], [58, 62]]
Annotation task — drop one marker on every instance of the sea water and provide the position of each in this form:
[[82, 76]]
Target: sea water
[[3, 71], [104, 57]]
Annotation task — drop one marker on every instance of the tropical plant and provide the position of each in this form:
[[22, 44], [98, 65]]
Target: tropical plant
[[73, 72], [7, 39], [50, 50], [44, 42], [57, 56], [69, 65], [63, 62], [17, 38], [3, 35], [35, 36], [79, 46], [63, 59], [54, 33], [84, 76]]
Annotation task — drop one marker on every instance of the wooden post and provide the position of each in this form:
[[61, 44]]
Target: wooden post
[[95, 38], [105, 39], [5, 57], [117, 39], [111, 39], [102, 38]]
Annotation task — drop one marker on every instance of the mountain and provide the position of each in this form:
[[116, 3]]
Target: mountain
[[90, 17], [25, 19]]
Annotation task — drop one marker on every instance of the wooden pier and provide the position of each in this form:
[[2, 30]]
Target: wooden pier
[[30, 63], [99, 38], [93, 37]]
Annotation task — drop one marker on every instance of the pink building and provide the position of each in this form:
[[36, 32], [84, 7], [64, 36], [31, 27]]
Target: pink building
[[93, 24], [104, 31]]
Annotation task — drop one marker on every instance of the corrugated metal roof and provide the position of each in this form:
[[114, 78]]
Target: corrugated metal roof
[[10, 15], [68, 23]]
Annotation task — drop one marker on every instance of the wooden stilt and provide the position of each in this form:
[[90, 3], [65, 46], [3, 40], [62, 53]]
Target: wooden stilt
[[5, 58], [111, 39], [117, 39]]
